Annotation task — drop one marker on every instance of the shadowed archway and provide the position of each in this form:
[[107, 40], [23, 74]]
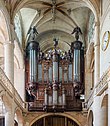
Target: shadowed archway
[[55, 120]]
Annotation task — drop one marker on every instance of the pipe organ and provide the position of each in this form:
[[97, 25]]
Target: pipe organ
[[54, 80]]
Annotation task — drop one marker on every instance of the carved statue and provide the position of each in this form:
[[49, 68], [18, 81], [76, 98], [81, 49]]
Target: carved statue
[[33, 33], [55, 42], [77, 31]]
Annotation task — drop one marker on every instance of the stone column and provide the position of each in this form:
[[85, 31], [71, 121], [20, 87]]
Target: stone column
[[9, 60], [109, 103], [9, 118], [97, 108], [97, 54]]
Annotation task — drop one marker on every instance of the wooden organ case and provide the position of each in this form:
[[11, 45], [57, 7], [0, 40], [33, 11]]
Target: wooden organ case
[[54, 81]]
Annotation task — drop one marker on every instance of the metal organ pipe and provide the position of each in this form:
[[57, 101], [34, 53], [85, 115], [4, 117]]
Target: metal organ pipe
[[55, 67], [50, 74], [30, 64], [77, 65], [34, 66], [63, 97], [55, 78], [32, 48], [46, 97], [76, 46]]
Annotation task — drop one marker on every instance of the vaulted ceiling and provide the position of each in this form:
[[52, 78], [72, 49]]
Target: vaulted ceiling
[[52, 18]]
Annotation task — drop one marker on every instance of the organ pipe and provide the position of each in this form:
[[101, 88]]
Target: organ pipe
[[46, 97], [55, 66], [76, 52], [63, 98], [32, 49], [55, 78], [50, 74]]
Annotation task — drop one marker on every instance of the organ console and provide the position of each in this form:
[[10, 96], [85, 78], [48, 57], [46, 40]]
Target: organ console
[[54, 80]]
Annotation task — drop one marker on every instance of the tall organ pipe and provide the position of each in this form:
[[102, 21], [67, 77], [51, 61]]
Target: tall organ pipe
[[32, 49], [63, 97], [46, 97], [76, 47], [55, 67], [55, 78]]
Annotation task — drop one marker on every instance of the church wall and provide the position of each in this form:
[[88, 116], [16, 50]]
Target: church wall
[[104, 26]]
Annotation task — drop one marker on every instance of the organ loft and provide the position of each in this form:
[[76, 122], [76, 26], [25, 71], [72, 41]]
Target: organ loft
[[54, 79]]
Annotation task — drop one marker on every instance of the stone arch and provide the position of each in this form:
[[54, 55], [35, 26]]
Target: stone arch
[[92, 5], [90, 118], [104, 101], [3, 33], [70, 116], [104, 109], [6, 21]]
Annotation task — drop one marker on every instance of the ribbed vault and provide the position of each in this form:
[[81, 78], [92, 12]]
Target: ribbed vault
[[50, 15]]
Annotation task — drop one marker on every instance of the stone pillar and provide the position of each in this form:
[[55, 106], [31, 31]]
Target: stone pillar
[[109, 103], [97, 54], [9, 118], [9, 60], [97, 108]]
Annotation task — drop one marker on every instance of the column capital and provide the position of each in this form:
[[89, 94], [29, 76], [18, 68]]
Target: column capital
[[9, 43]]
